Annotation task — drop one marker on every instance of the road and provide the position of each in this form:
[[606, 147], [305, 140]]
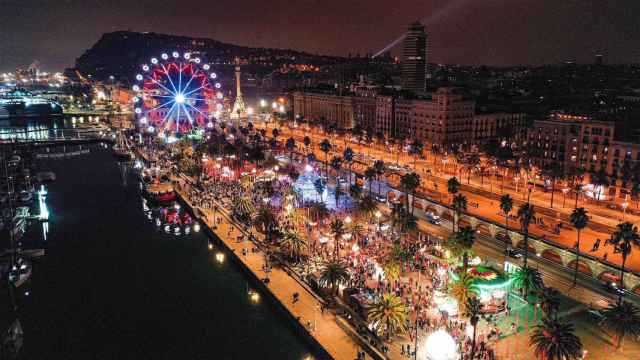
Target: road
[[486, 194]]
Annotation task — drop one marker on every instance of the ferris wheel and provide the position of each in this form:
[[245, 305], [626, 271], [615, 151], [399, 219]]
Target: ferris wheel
[[176, 93]]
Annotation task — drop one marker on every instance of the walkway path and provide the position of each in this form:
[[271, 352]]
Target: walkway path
[[327, 332]]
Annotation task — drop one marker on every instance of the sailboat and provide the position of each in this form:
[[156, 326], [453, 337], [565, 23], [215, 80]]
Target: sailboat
[[120, 149]]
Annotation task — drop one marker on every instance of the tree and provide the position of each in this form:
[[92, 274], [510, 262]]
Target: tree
[[243, 208], [473, 161], [264, 220], [549, 301], [461, 243], [409, 183], [318, 211], [367, 205], [307, 142], [348, 156], [555, 340], [318, 184], [599, 179], [369, 175], [462, 289], [623, 318], [389, 312], [473, 311], [325, 147], [579, 220], [378, 166], [459, 205], [506, 205], [528, 279], [337, 229], [291, 146], [625, 238], [336, 165], [526, 214], [416, 150], [333, 273], [553, 171], [295, 243], [355, 191], [453, 186]]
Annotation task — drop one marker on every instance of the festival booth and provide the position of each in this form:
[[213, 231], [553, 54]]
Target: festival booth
[[491, 285]]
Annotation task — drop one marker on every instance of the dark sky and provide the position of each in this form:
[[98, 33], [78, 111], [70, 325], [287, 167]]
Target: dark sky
[[493, 32]]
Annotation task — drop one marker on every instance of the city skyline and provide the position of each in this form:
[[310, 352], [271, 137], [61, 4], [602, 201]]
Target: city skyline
[[466, 32]]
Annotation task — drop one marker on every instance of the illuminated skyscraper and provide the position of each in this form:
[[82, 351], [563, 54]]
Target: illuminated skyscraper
[[414, 58]]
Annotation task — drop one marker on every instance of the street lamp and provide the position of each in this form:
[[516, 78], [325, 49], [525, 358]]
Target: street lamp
[[624, 209], [378, 214], [564, 195]]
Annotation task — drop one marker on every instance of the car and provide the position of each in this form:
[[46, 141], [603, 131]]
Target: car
[[433, 218], [614, 288], [513, 253], [380, 198]]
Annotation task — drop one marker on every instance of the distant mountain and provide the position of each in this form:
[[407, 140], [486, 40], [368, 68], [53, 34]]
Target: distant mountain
[[120, 53]]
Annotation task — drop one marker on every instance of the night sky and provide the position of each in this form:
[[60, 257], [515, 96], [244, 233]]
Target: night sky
[[493, 32]]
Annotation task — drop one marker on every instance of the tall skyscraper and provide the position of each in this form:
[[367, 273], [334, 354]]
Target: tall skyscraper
[[414, 58]]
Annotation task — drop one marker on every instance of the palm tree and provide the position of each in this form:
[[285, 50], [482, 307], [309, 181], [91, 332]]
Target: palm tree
[[348, 156], [367, 205], [555, 340], [473, 311], [526, 214], [333, 273], [453, 186], [506, 205], [378, 166], [369, 175], [461, 243], [409, 183], [337, 228], [275, 133], [579, 220], [336, 165], [459, 205], [295, 243], [461, 289], [553, 172], [319, 186], [416, 150], [623, 318], [291, 146], [243, 208], [318, 211], [473, 161], [599, 179], [307, 142], [528, 279], [325, 147], [389, 312], [625, 238], [549, 299], [357, 231], [355, 191]]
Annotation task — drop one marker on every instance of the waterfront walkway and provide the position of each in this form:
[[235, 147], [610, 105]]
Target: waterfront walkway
[[323, 324]]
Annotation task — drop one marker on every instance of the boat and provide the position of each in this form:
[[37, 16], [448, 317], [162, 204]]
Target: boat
[[46, 176], [120, 149], [20, 104], [157, 186], [25, 196], [160, 192], [20, 272]]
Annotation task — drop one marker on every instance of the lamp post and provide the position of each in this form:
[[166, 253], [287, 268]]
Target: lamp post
[[625, 204], [564, 195], [378, 214]]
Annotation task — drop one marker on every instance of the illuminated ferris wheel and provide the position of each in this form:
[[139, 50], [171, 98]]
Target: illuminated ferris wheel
[[176, 93]]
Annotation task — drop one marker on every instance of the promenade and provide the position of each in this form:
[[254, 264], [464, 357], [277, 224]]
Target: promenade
[[321, 325]]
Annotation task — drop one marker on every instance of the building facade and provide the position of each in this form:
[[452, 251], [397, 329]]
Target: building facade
[[414, 58], [586, 143]]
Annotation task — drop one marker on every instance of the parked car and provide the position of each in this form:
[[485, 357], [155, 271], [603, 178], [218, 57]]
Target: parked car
[[433, 218]]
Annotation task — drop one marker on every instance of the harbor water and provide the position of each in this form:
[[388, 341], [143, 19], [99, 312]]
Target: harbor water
[[115, 285]]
